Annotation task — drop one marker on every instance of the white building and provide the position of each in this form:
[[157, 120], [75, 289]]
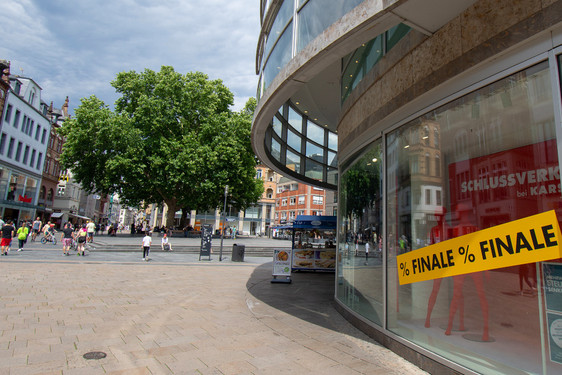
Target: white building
[[25, 131]]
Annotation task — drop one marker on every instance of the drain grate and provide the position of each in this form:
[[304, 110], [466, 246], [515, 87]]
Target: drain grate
[[94, 355]]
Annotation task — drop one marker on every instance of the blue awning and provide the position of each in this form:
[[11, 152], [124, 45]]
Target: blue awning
[[315, 222]]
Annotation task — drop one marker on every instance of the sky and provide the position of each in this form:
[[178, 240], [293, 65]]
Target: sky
[[76, 48]]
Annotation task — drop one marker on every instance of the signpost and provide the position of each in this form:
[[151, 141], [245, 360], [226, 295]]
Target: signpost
[[206, 239]]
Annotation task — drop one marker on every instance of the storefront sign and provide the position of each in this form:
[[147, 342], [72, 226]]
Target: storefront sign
[[532, 239], [282, 262]]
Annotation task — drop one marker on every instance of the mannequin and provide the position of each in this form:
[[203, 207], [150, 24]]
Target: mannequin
[[437, 234], [466, 227]]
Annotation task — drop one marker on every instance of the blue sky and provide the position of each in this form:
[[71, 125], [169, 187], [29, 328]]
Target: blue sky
[[76, 48]]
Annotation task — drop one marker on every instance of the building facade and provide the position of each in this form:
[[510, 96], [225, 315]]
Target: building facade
[[294, 198], [447, 121], [23, 143]]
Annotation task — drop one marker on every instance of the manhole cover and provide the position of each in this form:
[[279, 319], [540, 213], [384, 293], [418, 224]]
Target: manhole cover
[[95, 355]]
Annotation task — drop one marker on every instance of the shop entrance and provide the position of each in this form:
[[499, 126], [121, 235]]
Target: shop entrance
[[11, 214]]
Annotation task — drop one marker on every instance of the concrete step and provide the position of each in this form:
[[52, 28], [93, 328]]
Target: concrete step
[[227, 251]]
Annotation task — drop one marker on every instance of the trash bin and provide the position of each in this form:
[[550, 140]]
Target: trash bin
[[238, 252]]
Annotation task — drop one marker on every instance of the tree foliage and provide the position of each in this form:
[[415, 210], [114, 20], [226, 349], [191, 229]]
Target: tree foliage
[[171, 138]]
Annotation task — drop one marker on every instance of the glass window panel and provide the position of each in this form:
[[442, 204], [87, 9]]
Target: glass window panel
[[395, 34], [333, 141], [293, 161], [30, 188], [279, 57], [315, 133], [277, 126], [314, 152], [314, 170], [494, 138], [360, 280], [332, 159], [316, 16], [16, 186], [332, 176], [295, 120], [283, 16], [294, 141], [275, 149], [374, 52]]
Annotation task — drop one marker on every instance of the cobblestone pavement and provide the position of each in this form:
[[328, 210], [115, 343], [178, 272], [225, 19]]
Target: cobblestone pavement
[[173, 315]]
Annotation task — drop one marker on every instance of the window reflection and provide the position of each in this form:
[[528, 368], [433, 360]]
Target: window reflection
[[441, 190], [360, 285]]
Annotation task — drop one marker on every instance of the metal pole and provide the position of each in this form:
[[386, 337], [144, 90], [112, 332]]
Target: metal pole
[[224, 217]]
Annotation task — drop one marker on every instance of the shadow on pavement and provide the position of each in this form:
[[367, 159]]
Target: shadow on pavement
[[309, 297]]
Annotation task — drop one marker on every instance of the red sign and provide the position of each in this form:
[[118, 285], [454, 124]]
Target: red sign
[[507, 185], [24, 199]]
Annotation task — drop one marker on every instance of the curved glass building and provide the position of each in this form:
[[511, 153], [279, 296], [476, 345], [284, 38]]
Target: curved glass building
[[438, 123]]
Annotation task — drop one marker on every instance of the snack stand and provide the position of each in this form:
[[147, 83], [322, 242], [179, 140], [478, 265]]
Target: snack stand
[[314, 243]]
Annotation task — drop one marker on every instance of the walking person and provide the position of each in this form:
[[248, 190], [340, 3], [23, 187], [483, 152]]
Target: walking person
[[146, 242], [66, 238], [7, 234], [90, 229], [81, 240], [367, 248], [22, 233], [35, 229]]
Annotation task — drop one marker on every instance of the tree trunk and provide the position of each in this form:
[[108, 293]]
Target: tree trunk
[[183, 220], [171, 214]]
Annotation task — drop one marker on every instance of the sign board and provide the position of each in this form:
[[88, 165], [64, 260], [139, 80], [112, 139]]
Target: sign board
[[532, 239], [552, 279], [206, 239], [281, 266]]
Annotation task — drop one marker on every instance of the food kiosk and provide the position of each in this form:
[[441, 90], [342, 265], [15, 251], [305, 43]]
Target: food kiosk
[[314, 243]]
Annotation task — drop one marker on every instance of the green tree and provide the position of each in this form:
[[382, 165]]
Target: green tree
[[171, 139]]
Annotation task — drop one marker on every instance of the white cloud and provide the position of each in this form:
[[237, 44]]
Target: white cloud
[[77, 48]]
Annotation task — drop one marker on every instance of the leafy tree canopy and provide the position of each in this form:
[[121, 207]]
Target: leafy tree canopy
[[171, 138]]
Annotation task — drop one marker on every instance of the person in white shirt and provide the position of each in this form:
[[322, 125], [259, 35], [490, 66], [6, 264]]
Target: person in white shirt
[[166, 245], [146, 242], [90, 229], [367, 248]]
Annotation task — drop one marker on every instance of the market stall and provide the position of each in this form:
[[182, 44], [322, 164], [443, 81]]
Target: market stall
[[314, 243]]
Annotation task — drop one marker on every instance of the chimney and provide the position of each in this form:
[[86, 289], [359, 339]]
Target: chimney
[[65, 108]]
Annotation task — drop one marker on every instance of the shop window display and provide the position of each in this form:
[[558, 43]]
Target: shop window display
[[360, 272], [499, 164]]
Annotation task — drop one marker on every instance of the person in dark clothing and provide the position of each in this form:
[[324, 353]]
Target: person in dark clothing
[[66, 238], [7, 234]]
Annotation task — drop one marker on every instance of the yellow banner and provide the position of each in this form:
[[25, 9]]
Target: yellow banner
[[535, 238]]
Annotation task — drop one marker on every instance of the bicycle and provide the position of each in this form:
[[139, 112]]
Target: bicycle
[[48, 237]]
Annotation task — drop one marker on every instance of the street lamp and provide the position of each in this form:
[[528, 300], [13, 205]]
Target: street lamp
[[224, 217]]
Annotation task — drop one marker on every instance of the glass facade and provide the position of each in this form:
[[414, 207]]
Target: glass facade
[[487, 158], [362, 60], [300, 145]]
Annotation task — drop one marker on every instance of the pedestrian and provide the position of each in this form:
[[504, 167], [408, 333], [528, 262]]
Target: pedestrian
[[36, 228], [7, 234], [66, 238], [90, 229], [367, 248], [166, 245], [81, 240], [22, 233], [146, 242]]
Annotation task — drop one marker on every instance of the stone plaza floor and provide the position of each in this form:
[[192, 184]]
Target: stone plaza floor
[[173, 315]]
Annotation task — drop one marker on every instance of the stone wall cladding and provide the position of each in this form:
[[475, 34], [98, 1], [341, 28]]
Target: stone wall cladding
[[480, 32]]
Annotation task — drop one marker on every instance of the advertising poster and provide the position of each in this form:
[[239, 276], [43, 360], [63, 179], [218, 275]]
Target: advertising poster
[[555, 336], [282, 262], [552, 276]]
